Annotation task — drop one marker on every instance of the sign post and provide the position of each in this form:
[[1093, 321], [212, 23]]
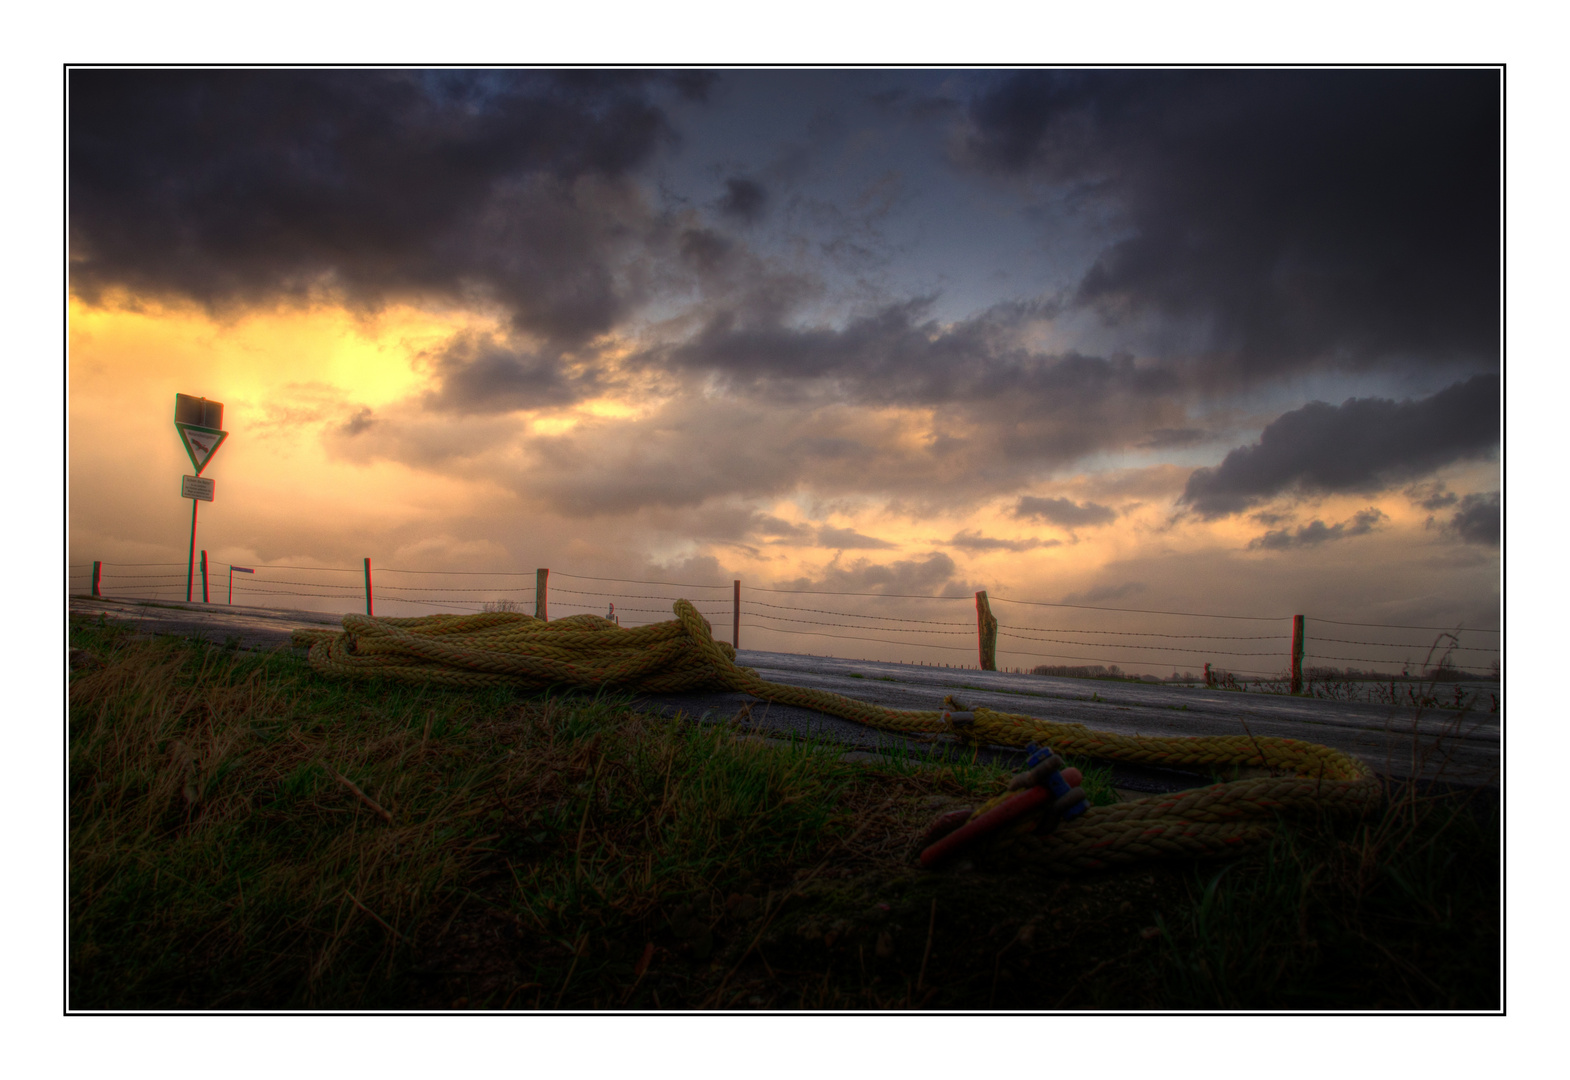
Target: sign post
[[199, 423], [191, 570]]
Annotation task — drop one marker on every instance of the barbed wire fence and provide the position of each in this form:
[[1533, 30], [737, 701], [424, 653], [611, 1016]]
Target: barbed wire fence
[[1241, 652], [1169, 646], [132, 581], [1230, 651], [646, 602], [916, 628]]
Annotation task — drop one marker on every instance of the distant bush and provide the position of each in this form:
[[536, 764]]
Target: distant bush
[[1088, 671], [1442, 673]]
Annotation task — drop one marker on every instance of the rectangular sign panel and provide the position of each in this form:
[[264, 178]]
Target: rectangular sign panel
[[198, 411], [196, 487]]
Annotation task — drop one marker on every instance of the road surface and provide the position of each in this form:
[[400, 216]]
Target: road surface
[[1401, 742]]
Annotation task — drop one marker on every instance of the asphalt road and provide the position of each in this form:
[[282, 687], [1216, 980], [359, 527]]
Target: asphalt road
[[1432, 743]]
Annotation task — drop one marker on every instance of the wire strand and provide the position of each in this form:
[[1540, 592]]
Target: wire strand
[[854, 615], [640, 581], [629, 596], [1151, 648], [827, 592], [1399, 626], [321, 595], [846, 637], [1346, 659], [850, 626], [282, 581], [445, 589], [1137, 611], [324, 569], [1169, 637], [1403, 645]]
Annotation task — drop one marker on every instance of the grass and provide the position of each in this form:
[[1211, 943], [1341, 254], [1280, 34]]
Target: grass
[[245, 835], [1397, 693], [1394, 909]]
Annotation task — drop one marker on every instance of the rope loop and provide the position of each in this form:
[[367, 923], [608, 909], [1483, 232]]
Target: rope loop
[[589, 651]]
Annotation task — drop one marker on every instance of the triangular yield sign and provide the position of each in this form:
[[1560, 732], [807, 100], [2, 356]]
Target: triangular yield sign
[[200, 443]]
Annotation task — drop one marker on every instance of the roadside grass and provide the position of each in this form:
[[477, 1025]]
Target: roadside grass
[[1405, 908], [245, 835]]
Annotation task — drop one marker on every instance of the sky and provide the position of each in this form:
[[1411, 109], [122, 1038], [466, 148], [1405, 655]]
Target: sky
[[1223, 341], [117, 490]]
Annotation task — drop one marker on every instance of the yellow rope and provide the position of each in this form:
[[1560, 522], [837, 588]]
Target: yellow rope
[[507, 648]]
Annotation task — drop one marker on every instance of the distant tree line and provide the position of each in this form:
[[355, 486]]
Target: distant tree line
[[1086, 671], [1444, 671], [1441, 672]]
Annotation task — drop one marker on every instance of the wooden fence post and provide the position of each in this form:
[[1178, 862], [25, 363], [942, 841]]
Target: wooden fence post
[[204, 576], [1297, 654], [98, 569], [987, 632], [369, 608], [539, 593], [735, 614]]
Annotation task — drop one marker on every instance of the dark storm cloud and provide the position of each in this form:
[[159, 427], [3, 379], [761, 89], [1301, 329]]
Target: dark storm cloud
[[1174, 438], [843, 539], [778, 529], [751, 346], [1361, 445], [972, 540], [1301, 216], [901, 102], [727, 521], [238, 186], [1064, 512], [897, 354], [745, 200], [477, 373], [464, 446], [681, 456], [1478, 519], [1317, 532], [1432, 495], [699, 445], [1039, 405], [704, 249], [1102, 593], [932, 574], [359, 422]]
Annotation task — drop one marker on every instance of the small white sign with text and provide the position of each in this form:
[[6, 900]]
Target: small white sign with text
[[196, 487]]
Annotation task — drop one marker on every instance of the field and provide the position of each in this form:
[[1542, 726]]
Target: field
[[245, 835]]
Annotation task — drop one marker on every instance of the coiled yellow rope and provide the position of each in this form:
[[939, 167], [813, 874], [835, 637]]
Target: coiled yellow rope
[[508, 648]]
